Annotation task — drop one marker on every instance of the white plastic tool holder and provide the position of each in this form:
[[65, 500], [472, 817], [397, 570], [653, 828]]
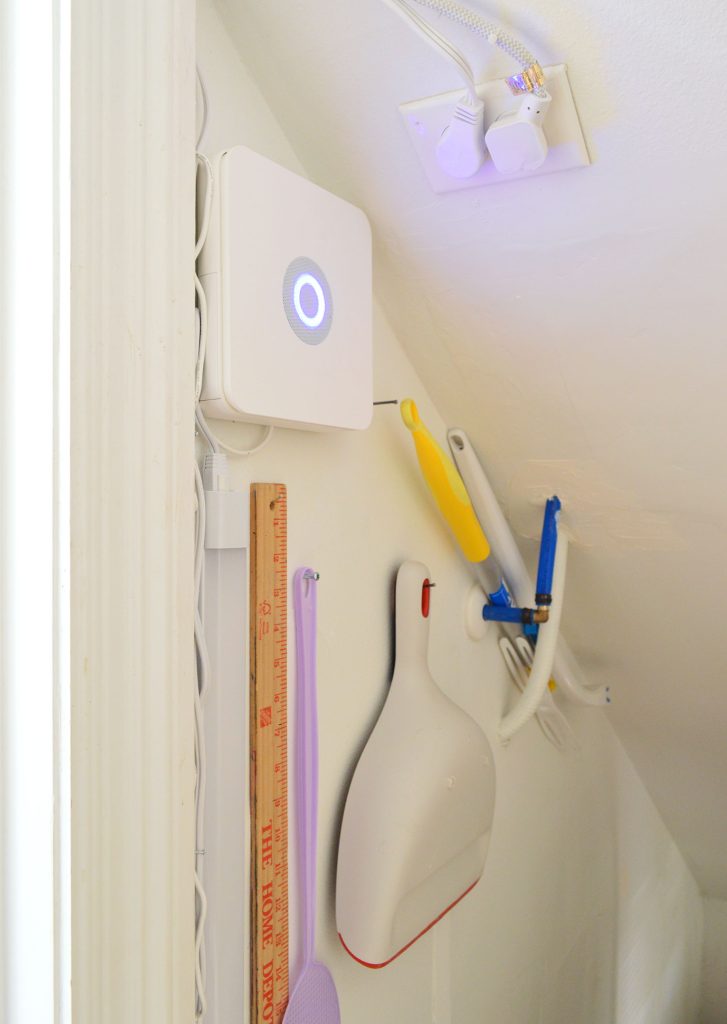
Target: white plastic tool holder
[[547, 613], [568, 674], [542, 668], [518, 657]]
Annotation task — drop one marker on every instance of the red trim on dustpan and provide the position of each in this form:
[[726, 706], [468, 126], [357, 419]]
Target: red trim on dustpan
[[376, 967], [426, 599]]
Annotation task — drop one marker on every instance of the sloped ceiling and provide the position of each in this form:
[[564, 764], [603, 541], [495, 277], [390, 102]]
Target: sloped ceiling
[[575, 325]]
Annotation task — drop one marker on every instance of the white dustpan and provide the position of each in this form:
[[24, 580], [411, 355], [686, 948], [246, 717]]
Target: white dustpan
[[416, 826]]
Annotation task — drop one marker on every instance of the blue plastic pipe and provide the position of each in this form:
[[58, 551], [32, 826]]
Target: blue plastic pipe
[[498, 613], [548, 541]]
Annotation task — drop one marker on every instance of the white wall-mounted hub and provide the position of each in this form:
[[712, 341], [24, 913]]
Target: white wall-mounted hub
[[427, 119], [286, 270]]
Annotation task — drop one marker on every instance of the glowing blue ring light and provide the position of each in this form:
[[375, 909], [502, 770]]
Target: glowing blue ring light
[[307, 300], [307, 280]]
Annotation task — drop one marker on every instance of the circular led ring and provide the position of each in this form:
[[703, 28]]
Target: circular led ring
[[301, 282], [307, 300]]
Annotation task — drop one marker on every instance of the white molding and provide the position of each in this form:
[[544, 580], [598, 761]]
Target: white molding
[[132, 353], [28, 220]]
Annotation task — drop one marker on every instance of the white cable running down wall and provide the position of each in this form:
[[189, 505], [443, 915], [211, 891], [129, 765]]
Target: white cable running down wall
[[202, 660]]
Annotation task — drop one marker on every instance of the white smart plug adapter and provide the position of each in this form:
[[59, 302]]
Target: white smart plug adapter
[[516, 141], [461, 148]]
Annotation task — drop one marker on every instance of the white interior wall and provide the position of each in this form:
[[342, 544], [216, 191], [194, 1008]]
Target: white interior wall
[[573, 324], [586, 911], [714, 964]]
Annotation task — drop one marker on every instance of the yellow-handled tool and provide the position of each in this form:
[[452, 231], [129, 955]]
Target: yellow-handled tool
[[454, 503], [446, 485]]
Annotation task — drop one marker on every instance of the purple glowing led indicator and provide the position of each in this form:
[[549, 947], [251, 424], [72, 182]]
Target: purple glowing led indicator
[[309, 300]]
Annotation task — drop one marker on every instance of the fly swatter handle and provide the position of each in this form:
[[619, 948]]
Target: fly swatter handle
[[306, 744]]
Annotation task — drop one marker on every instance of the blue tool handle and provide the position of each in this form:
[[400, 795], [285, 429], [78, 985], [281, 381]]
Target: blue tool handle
[[498, 613], [548, 541], [501, 596]]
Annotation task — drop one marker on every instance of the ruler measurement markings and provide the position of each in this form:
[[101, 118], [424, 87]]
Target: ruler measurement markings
[[268, 738]]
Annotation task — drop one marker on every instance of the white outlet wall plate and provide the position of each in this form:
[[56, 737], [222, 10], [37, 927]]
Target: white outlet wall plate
[[286, 270], [426, 119]]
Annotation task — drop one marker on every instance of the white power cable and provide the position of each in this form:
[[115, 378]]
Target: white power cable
[[207, 208], [216, 444], [205, 430], [431, 35], [203, 162], [493, 33], [202, 665], [201, 337], [202, 683], [203, 95], [200, 758]]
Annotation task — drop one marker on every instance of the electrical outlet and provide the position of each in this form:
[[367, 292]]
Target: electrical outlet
[[426, 119]]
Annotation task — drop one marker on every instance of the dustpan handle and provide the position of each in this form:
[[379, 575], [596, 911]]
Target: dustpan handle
[[306, 743]]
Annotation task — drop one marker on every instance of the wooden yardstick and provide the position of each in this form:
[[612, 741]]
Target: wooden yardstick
[[269, 751]]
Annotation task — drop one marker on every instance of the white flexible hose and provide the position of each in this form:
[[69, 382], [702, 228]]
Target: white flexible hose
[[532, 695], [566, 670]]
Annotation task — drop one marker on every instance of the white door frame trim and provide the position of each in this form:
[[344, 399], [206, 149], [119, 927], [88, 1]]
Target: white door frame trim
[[28, 339], [132, 513]]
